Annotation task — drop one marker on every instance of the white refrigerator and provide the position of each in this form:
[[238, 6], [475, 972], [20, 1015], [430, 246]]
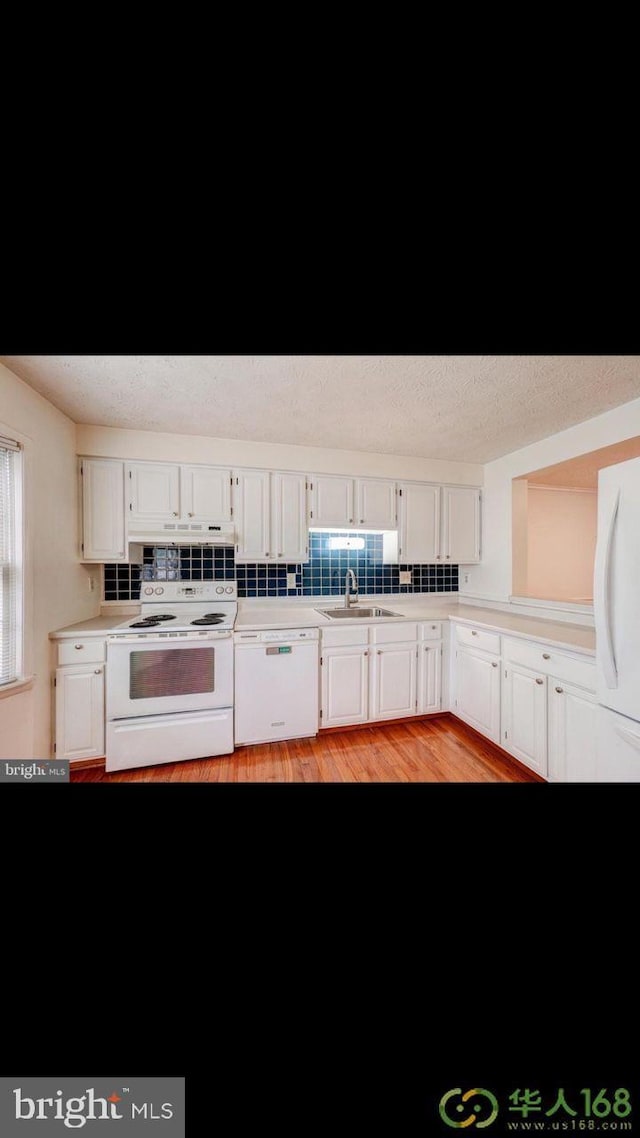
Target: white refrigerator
[[616, 601]]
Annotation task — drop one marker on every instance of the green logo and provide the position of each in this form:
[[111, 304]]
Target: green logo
[[478, 1108]]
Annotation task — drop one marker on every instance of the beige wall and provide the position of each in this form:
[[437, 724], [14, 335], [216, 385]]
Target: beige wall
[[493, 577], [561, 543], [56, 585], [113, 442]]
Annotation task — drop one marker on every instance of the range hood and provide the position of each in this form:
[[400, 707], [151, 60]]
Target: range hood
[[184, 533]]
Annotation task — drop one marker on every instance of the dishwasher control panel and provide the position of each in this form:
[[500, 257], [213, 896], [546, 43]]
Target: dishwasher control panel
[[277, 636]]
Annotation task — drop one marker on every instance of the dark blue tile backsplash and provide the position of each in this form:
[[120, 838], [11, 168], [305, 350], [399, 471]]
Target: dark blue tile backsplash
[[322, 576]]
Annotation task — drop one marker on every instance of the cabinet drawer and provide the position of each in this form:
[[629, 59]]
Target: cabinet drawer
[[478, 638], [344, 637], [89, 651], [394, 633], [550, 662], [431, 631]]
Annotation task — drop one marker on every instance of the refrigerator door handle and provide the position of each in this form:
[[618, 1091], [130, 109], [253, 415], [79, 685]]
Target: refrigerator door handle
[[629, 736], [602, 598]]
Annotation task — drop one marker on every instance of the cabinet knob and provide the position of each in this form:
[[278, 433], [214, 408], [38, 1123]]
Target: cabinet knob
[[280, 553], [98, 671], [267, 554], [546, 656], [350, 521], [379, 652], [361, 521], [189, 515], [175, 513], [473, 632], [539, 681], [437, 556], [365, 653], [495, 666], [78, 646], [448, 555], [559, 690]]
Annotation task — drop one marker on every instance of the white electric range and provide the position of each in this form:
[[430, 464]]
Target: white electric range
[[170, 676]]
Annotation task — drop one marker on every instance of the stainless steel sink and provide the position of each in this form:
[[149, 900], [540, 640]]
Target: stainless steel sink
[[355, 611]]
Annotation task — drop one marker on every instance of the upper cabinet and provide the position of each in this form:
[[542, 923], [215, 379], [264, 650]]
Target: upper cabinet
[[438, 523], [102, 507], [460, 524], [419, 522], [163, 491], [270, 512], [331, 501], [352, 503], [205, 493]]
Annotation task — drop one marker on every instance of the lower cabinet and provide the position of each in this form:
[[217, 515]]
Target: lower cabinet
[[572, 732], [393, 681], [478, 690], [524, 716], [80, 711], [345, 686], [381, 676]]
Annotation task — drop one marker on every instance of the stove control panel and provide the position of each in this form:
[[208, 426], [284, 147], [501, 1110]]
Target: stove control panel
[[192, 590]]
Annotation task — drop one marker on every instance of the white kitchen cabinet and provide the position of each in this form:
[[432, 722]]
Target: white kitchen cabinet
[[154, 492], [460, 525], [429, 677], [375, 503], [252, 513], [418, 523], [393, 681], [345, 685], [103, 514], [572, 732], [270, 513], [80, 711], [205, 493], [477, 698], [524, 716], [332, 501], [289, 532]]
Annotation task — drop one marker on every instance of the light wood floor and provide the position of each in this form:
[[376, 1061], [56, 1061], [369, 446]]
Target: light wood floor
[[440, 749]]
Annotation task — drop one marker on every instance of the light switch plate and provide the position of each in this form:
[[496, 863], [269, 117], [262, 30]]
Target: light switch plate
[[405, 576], [291, 580]]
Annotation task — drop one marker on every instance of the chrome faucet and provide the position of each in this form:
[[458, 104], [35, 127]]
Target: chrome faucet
[[350, 598]]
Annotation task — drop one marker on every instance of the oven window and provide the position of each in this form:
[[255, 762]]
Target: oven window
[[171, 671]]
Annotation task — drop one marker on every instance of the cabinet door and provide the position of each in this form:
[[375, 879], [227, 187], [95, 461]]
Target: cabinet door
[[572, 733], [419, 523], [478, 691], [331, 501], [80, 712], [393, 681], [376, 503], [205, 493], [345, 681], [251, 494], [103, 533], [460, 524], [524, 721], [289, 534], [430, 677], [154, 491]]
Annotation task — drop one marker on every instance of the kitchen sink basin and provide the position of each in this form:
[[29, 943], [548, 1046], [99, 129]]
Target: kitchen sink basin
[[355, 611]]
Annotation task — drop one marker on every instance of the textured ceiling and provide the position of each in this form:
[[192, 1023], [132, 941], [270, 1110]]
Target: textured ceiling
[[582, 472], [469, 408]]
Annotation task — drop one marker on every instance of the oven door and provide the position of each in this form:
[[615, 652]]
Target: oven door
[[156, 676]]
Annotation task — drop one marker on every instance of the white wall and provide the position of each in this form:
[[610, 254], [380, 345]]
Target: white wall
[[112, 442], [56, 585], [561, 543], [492, 578]]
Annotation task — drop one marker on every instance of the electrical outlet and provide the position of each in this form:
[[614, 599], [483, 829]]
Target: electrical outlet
[[465, 578], [92, 583], [291, 580], [405, 577]]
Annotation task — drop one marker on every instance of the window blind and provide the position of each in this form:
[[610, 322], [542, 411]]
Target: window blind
[[8, 563]]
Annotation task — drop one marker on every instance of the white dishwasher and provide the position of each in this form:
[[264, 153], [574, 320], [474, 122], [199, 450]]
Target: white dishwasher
[[276, 685]]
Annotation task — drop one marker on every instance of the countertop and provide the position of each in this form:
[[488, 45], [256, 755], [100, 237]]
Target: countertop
[[291, 614]]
